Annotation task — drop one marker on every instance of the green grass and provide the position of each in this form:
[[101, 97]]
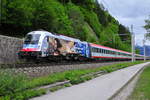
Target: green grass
[[24, 95], [10, 84], [53, 89], [142, 88], [75, 75]]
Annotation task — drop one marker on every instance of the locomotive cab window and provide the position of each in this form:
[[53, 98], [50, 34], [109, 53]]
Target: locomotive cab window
[[32, 39]]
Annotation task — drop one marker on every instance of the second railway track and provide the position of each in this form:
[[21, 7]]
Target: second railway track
[[37, 70], [27, 65]]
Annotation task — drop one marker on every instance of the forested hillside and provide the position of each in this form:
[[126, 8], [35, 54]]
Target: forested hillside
[[83, 19]]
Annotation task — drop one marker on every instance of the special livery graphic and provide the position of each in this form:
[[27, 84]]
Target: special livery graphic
[[45, 44]]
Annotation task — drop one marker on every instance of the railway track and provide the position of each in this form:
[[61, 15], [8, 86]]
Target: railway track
[[27, 65]]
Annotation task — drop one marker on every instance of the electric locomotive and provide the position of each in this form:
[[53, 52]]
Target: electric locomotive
[[43, 44]]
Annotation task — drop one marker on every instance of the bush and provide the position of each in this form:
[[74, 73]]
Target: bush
[[25, 95], [10, 83]]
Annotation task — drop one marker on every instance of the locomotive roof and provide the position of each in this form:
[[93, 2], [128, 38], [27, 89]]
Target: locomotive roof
[[55, 35], [69, 38]]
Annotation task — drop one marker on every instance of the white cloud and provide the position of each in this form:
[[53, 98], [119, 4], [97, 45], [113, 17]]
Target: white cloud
[[130, 12], [139, 40]]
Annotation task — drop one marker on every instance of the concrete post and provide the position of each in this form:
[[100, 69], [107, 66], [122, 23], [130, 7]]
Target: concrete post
[[144, 40], [133, 44]]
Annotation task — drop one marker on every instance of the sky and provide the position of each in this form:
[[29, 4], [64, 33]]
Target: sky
[[130, 12]]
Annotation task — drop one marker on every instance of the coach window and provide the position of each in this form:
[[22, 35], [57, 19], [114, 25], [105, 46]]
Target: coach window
[[92, 49], [99, 50], [113, 52], [95, 49], [105, 51], [109, 52]]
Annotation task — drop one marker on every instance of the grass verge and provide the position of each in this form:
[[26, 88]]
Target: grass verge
[[24, 95], [142, 88], [10, 84], [53, 89]]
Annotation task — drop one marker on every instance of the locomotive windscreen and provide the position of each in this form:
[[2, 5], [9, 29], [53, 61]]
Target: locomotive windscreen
[[32, 39]]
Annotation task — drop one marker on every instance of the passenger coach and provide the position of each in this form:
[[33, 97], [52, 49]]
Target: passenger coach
[[99, 51]]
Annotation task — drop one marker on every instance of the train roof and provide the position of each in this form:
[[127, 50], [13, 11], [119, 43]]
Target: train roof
[[69, 38], [75, 40], [108, 48], [54, 35]]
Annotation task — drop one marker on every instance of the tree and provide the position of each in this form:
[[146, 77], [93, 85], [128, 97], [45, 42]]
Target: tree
[[147, 27], [124, 33], [16, 16], [101, 13]]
